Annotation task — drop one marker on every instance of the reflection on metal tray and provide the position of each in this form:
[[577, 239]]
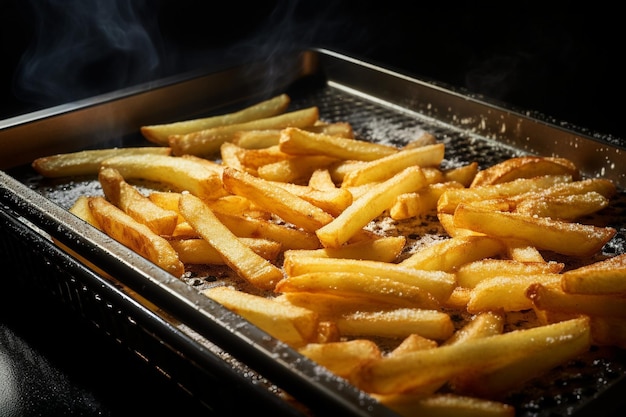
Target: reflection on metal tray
[[197, 342]]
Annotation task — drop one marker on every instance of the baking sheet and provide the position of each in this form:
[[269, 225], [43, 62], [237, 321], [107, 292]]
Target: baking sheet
[[381, 106]]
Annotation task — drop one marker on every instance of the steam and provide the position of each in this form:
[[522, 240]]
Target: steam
[[83, 48]]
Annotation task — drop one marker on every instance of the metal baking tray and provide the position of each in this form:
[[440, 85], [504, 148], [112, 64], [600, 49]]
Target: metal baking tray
[[212, 353]]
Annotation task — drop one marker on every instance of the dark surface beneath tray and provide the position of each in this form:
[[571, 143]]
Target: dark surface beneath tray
[[63, 366]]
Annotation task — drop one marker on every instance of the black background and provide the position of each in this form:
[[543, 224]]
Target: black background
[[562, 61]]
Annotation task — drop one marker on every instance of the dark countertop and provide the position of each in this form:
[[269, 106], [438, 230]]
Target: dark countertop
[[563, 64]]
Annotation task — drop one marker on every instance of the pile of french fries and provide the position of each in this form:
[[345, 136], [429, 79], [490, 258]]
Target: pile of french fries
[[286, 202]]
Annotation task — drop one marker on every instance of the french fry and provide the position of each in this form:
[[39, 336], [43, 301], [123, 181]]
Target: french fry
[[463, 175], [301, 142], [438, 283], [470, 274], [332, 201], [522, 251], [553, 298], [199, 251], [558, 236], [506, 292], [160, 133], [297, 169], [397, 323], [180, 173], [412, 343], [135, 204], [87, 162], [569, 207], [421, 202], [608, 331], [444, 405], [207, 142], [355, 284], [452, 198], [448, 254], [321, 179], [525, 167], [293, 325], [343, 357], [243, 260], [136, 236], [411, 370], [488, 323], [330, 306], [286, 205], [81, 209], [368, 206], [384, 168], [258, 139], [383, 249], [602, 277]]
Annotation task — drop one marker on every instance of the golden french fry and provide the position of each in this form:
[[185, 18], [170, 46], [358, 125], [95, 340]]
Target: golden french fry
[[488, 323], [553, 298], [421, 202], [384, 168], [243, 260], [444, 405], [411, 370], [369, 206], [332, 201], [330, 306], [470, 274], [356, 284], [608, 331], [297, 169], [81, 209], [438, 283], [199, 251], [449, 254], [321, 179], [293, 325], [135, 204], [452, 198], [464, 175], [525, 167], [267, 108], [87, 162], [301, 142], [257, 139], [343, 357], [283, 203], [207, 142], [506, 292], [602, 277], [397, 323], [180, 173], [522, 251], [558, 236], [568, 207], [412, 343], [136, 236], [383, 249]]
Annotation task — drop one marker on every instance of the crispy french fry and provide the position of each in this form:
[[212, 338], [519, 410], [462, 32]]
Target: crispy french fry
[[180, 173], [452, 198], [506, 292], [602, 277], [243, 260], [137, 236], [525, 167], [448, 254], [199, 251], [488, 323], [558, 236], [320, 179], [267, 108], [398, 323], [412, 343], [81, 209], [470, 274], [87, 162], [283, 203], [522, 251], [551, 297], [411, 370], [384, 168], [384, 249], [356, 284], [463, 175], [342, 357], [293, 325], [569, 207], [445, 405], [297, 169], [332, 201], [207, 142], [301, 142], [438, 283], [368, 206], [135, 204], [421, 202], [258, 139]]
